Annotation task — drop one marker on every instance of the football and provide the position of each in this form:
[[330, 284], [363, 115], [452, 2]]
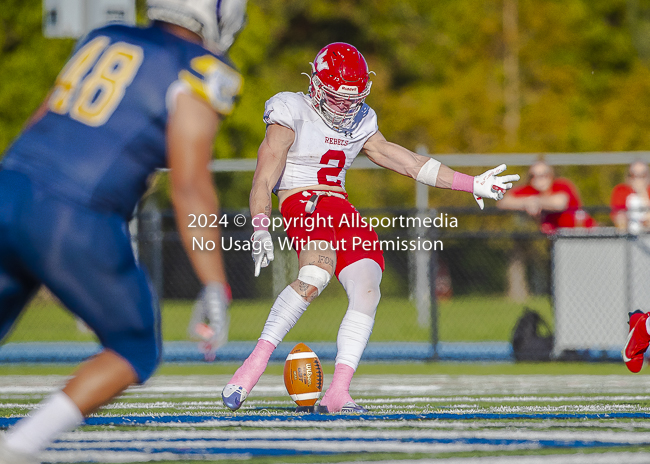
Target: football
[[303, 375]]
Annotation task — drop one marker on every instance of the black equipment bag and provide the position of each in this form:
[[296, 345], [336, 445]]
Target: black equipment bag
[[528, 343]]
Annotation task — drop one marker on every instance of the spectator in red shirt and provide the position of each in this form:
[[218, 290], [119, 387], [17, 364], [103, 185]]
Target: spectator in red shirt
[[554, 202], [631, 199]]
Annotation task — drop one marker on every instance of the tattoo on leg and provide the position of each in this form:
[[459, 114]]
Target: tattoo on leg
[[326, 260], [306, 291]]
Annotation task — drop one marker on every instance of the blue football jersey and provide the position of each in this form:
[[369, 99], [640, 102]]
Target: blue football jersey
[[104, 131]]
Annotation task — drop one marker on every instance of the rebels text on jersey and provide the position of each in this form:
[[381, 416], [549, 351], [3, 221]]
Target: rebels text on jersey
[[319, 155]]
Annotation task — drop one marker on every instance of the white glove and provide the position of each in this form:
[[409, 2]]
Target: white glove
[[262, 249], [488, 185], [210, 320]]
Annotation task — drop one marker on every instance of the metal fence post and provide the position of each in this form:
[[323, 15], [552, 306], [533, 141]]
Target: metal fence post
[[150, 239], [419, 260], [426, 266], [420, 277], [433, 299]]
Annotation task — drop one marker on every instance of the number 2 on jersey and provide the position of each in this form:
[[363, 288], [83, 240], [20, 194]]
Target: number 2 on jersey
[[93, 83], [325, 173]]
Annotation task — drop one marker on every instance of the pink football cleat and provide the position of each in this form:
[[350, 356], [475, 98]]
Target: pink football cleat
[[637, 341]]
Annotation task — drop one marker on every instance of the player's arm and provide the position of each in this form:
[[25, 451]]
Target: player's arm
[[271, 159], [191, 130], [392, 156], [431, 172], [190, 134]]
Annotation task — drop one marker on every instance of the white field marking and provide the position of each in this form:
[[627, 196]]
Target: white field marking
[[132, 456], [592, 458], [569, 408], [116, 456], [440, 424], [398, 385], [343, 444], [30, 387], [165, 405], [386, 402], [506, 399], [436, 424], [456, 409], [393, 385], [214, 438]]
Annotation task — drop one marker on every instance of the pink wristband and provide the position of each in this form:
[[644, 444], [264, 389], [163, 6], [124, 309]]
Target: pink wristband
[[259, 221], [463, 182]]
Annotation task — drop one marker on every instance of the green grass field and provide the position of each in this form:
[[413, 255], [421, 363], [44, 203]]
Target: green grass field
[[467, 318]]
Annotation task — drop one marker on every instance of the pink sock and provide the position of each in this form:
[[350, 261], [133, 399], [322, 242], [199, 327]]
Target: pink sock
[[463, 182], [338, 392], [253, 368]]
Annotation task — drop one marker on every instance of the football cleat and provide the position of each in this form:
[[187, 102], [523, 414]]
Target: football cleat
[[234, 396], [8, 456], [637, 341], [349, 408], [353, 408]]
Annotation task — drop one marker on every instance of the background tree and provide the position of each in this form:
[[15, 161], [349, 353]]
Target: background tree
[[583, 79]]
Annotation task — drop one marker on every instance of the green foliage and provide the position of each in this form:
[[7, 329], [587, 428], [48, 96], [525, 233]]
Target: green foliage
[[584, 81], [29, 64]]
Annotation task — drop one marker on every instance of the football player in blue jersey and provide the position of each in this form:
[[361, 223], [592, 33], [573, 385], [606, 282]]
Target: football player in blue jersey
[[129, 101]]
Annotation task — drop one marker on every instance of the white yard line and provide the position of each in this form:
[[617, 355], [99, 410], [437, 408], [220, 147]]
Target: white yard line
[[592, 458], [141, 436]]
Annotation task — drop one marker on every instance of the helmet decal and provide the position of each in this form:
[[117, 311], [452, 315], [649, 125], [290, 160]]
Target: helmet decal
[[320, 63]]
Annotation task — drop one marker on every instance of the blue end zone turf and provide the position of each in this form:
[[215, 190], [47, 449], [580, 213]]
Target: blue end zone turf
[[75, 352]]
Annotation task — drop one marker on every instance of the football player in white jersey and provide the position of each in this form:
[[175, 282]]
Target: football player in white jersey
[[311, 140]]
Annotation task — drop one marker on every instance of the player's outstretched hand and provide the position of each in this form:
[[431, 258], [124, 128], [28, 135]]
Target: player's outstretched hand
[[209, 321], [488, 185], [262, 249]]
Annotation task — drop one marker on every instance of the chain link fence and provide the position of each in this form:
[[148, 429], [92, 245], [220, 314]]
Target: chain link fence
[[484, 277], [448, 292]]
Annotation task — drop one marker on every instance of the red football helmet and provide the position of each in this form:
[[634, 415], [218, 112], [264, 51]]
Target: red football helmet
[[339, 84]]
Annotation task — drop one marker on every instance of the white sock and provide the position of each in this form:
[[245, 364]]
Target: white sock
[[285, 312], [353, 337], [55, 415]]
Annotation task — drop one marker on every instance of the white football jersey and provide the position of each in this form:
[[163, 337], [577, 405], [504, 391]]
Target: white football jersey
[[319, 155]]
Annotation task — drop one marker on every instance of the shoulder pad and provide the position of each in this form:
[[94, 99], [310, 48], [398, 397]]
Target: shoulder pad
[[214, 81], [283, 109]]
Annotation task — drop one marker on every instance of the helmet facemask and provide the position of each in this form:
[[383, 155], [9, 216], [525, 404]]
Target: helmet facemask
[[337, 108]]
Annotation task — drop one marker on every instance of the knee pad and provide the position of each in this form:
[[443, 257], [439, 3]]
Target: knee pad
[[314, 275]]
